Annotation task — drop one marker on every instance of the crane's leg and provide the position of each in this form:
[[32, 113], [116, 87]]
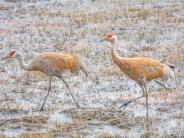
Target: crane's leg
[[126, 103], [146, 95], [47, 94], [70, 91]]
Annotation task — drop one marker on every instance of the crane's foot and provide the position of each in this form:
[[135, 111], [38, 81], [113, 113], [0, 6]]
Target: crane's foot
[[78, 106], [42, 109]]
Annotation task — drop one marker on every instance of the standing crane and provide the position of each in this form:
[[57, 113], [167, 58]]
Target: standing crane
[[52, 64], [139, 69]]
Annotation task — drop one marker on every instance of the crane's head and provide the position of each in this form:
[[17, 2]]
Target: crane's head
[[109, 37], [12, 54]]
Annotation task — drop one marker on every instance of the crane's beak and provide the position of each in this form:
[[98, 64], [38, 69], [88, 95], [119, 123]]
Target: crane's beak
[[102, 40]]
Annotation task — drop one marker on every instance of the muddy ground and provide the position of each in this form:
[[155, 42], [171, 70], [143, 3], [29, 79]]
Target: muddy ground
[[144, 28]]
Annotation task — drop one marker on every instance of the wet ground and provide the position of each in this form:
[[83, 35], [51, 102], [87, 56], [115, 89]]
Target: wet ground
[[144, 28]]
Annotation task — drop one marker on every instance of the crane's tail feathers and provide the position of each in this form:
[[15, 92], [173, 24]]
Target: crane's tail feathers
[[84, 70], [169, 71], [170, 65], [83, 67]]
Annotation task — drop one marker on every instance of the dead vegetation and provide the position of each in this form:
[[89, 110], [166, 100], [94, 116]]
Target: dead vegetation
[[110, 116], [107, 135], [35, 135], [35, 121]]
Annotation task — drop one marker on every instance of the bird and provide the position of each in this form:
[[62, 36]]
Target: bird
[[52, 64], [140, 69]]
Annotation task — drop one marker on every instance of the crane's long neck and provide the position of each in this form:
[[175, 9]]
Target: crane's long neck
[[116, 58], [23, 64]]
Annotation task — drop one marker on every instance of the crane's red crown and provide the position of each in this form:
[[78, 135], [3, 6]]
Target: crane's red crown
[[12, 53], [109, 36]]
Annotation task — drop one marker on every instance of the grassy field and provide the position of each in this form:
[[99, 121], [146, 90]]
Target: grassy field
[[144, 28]]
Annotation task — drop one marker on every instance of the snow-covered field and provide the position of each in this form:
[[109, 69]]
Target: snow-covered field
[[144, 28]]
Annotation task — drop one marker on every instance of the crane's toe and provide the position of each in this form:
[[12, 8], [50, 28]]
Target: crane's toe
[[41, 109]]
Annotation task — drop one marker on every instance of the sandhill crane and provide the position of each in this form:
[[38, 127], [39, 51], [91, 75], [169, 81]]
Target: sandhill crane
[[139, 69], [52, 64]]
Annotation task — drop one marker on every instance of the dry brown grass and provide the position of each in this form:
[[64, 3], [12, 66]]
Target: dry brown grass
[[176, 53], [69, 129], [110, 71], [88, 18], [77, 17], [148, 134], [107, 135], [36, 121], [81, 18], [36, 135], [109, 116]]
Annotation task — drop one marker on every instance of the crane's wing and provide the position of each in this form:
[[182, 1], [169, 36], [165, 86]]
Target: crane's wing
[[50, 66]]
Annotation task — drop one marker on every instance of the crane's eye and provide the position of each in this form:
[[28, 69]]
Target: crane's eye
[[12, 53]]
